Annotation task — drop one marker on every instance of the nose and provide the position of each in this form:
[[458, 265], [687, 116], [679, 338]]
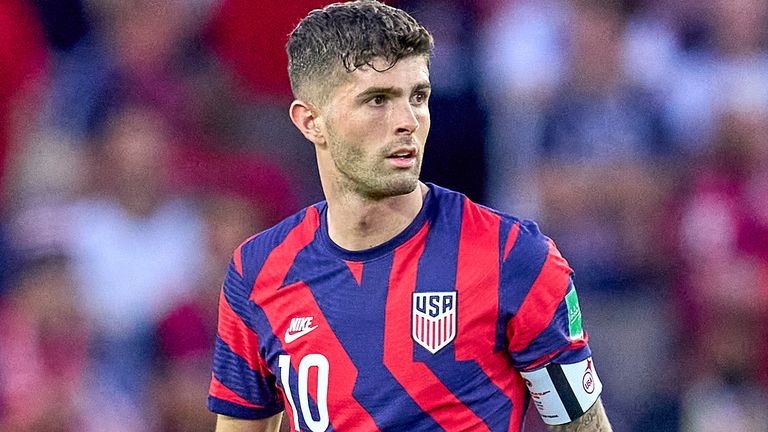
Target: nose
[[406, 119]]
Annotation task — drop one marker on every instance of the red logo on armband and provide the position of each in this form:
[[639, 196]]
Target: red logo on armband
[[587, 381]]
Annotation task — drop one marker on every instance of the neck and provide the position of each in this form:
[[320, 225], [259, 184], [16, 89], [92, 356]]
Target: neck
[[356, 223]]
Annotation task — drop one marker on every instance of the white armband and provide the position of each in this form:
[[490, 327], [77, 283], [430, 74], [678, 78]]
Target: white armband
[[562, 393]]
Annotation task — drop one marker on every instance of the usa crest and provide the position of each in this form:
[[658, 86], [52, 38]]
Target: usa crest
[[433, 319]]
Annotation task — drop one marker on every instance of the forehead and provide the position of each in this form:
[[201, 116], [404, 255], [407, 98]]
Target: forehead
[[407, 73]]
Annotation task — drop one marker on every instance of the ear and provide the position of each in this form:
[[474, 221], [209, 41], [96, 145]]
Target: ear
[[305, 117]]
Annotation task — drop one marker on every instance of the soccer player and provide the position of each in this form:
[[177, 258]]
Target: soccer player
[[392, 305]]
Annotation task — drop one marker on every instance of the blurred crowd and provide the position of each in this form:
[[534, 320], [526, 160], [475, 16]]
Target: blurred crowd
[[141, 141]]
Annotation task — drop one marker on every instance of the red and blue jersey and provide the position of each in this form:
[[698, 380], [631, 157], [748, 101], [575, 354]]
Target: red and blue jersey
[[428, 331]]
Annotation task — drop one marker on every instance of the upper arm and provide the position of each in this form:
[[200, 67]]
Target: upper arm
[[546, 341], [594, 420], [242, 384], [538, 298], [231, 424]]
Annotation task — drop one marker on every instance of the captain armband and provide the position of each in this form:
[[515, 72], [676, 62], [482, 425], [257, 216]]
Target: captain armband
[[562, 393]]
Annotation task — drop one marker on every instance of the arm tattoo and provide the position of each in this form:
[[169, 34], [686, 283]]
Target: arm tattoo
[[594, 420]]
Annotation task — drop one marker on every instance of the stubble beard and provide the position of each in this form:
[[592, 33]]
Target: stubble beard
[[367, 175]]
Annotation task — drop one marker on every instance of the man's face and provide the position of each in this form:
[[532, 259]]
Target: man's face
[[376, 125]]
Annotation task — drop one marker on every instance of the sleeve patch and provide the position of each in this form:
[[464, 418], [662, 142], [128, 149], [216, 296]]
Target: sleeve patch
[[575, 330]]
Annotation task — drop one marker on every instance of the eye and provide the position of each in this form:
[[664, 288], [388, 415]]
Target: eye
[[419, 98], [377, 100]]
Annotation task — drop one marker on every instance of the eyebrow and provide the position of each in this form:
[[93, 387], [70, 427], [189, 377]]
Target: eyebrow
[[374, 91]]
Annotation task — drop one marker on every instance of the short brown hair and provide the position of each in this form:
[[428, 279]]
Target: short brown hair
[[349, 36]]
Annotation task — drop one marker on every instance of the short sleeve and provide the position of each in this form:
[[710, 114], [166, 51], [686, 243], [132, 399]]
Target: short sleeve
[[545, 318], [562, 341], [546, 339], [242, 386]]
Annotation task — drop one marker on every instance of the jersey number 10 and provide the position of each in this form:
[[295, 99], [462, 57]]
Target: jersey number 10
[[310, 360]]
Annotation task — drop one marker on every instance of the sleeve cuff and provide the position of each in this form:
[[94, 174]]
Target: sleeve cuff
[[220, 406]]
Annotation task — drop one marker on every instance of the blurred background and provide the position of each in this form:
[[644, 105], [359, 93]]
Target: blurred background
[[141, 141]]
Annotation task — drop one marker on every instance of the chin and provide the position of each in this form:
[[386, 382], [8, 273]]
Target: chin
[[402, 186], [392, 187]]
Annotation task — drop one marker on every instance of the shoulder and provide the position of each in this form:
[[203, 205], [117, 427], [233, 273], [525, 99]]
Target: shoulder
[[449, 202], [448, 199], [513, 230], [524, 240], [252, 253], [278, 232]]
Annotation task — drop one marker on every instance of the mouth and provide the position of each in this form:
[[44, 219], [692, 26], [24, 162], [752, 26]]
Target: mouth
[[403, 153], [403, 157]]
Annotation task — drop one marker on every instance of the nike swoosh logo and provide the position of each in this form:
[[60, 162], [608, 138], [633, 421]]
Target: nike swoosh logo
[[290, 337]]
